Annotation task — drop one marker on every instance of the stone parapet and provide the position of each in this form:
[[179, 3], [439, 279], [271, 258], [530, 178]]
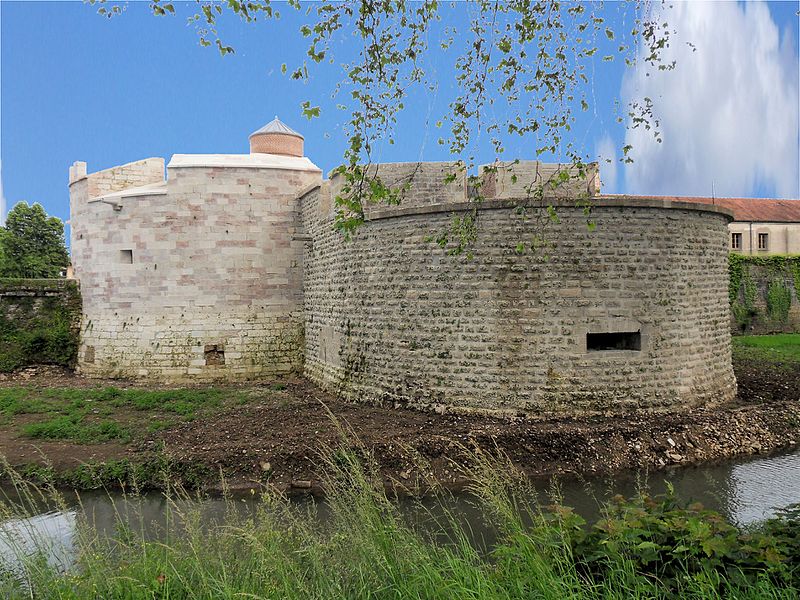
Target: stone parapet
[[135, 174]]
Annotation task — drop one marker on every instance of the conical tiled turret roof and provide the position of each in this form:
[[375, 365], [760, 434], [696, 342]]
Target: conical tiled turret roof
[[277, 126], [276, 138]]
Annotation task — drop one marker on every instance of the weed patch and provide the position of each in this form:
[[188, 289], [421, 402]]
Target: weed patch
[[77, 429], [92, 415]]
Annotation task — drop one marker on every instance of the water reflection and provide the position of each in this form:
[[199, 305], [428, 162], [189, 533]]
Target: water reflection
[[759, 488], [49, 536], [745, 492]]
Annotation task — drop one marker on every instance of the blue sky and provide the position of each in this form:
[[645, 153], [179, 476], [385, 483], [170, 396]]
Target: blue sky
[[77, 86]]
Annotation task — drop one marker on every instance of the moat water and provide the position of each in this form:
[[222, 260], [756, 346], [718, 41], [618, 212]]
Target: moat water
[[745, 491]]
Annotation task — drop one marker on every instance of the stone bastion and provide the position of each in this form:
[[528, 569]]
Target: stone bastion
[[629, 312], [230, 269]]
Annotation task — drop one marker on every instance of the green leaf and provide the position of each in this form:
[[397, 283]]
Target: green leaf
[[310, 112]]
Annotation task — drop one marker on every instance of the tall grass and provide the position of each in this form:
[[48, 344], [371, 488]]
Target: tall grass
[[366, 548]]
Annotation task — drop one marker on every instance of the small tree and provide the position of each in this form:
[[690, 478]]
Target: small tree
[[32, 244]]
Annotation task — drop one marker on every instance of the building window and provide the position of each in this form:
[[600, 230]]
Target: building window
[[616, 340], [126, 257], [736, 241], [763, 241]]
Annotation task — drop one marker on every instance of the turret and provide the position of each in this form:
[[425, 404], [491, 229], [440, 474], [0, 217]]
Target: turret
[[276, 138]]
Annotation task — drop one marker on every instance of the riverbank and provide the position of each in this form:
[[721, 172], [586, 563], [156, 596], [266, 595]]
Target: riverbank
[[361, 543], [86, 433]]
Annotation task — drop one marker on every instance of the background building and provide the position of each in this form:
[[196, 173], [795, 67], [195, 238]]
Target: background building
[[760, 226]]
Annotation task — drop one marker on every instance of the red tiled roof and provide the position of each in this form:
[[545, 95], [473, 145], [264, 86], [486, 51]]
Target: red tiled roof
[[744, 209]]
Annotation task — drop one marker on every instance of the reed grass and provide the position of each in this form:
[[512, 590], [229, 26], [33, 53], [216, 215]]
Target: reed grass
[[366, 548]]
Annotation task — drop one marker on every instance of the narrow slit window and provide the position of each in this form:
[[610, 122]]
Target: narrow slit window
[[616, 340], [763, 241], [736, 241], [126, 257]]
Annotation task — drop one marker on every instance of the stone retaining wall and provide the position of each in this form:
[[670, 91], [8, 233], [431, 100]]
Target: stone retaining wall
[[764, 294], [39, 322]]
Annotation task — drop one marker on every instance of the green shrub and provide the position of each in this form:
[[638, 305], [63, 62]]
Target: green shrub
[[38, 330], [660, 538]]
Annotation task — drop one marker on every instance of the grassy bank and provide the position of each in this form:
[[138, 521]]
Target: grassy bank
[[642, 548], [101, 414], [86, 434], [782, 347]]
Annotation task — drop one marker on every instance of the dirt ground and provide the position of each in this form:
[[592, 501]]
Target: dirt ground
[[278, 435]]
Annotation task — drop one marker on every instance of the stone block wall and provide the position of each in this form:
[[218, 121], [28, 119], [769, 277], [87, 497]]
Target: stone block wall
[[520, 180], [392, 318], [228, 270], [39, 322], [201, 280], [418, 184], [135, 174]]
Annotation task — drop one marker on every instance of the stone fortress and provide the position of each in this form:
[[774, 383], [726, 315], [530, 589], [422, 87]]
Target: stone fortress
[[230, 269]]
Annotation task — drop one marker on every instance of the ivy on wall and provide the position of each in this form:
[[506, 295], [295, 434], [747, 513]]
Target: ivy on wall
[[779, 299], [761, 291], [39, 322]]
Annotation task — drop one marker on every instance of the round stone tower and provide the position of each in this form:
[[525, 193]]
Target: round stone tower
[[197, 276], [276, 138]]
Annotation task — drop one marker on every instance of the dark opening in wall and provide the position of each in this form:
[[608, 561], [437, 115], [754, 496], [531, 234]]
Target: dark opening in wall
[[214, 354], [126, 257], [616, 340]]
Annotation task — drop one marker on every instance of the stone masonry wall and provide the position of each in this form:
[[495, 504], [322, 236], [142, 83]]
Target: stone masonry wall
[[200, 282], [135, 174], [764, 294], [520, 179], [39, 322], [222, 272], [392, 318], [424, 184]]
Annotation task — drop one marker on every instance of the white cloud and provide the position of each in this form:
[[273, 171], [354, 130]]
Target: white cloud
[[606, 153], [728, 112]]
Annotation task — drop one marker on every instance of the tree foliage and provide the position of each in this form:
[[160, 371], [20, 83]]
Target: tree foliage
[[523, 68], [32, 244]]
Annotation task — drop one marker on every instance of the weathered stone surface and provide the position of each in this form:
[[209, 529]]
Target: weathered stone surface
[[390, 317], [214, 264]]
